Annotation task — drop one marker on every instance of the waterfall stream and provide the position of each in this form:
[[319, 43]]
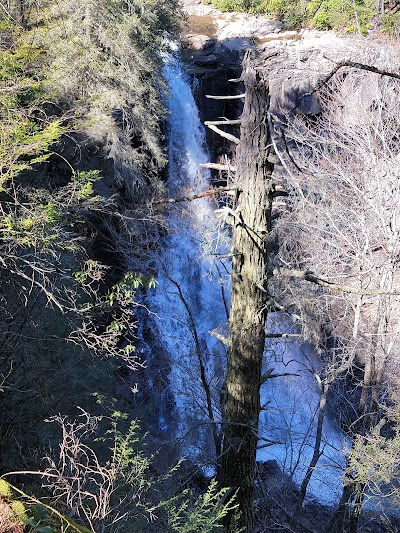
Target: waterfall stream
[[188, 304], [188, 299], [292, 403]]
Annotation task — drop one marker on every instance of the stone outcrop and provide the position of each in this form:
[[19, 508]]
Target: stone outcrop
[[295, 67], [199, 42], [242, 25], [205, 60], [293, 61]]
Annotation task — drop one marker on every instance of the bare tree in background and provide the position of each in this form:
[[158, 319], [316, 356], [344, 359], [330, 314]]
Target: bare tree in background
[[342, 225]]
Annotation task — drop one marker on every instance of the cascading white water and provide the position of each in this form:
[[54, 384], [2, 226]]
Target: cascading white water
[[188, 302], [290, 418], [188, 298]]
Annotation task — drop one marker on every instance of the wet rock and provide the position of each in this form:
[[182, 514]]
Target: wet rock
[[206, 61], [310, 105], [294, 63], [278, 35], [198, 42], [241, 25], [268, 468], [239, 44], [219, 49]]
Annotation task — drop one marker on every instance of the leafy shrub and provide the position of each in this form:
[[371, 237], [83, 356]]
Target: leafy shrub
[[250, 6], [21, 512], [340, 15], [190, 514], [294, 13], [391, 24], [323, 14]]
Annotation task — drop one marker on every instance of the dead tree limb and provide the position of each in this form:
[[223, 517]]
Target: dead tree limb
[[220, 337], [232, 97], [278, 190], [351, 64], [276, 149], [223, 133], [281, 335], [223, 122], [217, 166], [269, 375], [208, 192], [307, 275]]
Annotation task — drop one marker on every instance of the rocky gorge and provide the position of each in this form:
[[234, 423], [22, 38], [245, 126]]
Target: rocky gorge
[[294, 60], [294, 63], [198, 271]]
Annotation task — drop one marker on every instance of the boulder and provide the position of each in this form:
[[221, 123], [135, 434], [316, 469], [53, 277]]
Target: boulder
[[241, 25], [269, 468], [199, 42], [206, 61], [238, 44], [287, 96]]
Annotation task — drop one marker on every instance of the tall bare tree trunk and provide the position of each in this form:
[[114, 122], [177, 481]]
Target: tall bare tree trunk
[[323, 388], [249, 298], [356, 16], [347, 515]]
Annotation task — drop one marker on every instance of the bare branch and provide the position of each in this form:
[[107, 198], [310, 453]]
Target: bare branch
[[351, 64], [234, 97], [222, 122], [49, 294], [224, 134], [217, 166], [276, 149], [209, 192], [270, 375], [278, 190], [281, 335], [220, 337], [307, 275]]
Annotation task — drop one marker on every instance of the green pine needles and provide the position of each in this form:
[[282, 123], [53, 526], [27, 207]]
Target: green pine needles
[[190, 514]]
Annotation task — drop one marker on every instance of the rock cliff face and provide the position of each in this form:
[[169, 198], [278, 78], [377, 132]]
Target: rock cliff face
[[294, 67], [293, 61], [212, 65], [214, 45]]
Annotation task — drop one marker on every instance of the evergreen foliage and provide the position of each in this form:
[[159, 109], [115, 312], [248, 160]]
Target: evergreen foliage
[[86, 74], [77, 80], [24, 140], [102, 60], [205, 514]]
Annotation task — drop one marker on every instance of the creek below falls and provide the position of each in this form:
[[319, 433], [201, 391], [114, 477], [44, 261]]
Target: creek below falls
[[192, 300]]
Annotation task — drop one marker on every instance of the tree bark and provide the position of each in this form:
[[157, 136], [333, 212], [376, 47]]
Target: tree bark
[[241, 406]]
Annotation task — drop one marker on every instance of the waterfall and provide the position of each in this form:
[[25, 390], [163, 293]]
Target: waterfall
[[188, 301], [291, 408], [188, 304]]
